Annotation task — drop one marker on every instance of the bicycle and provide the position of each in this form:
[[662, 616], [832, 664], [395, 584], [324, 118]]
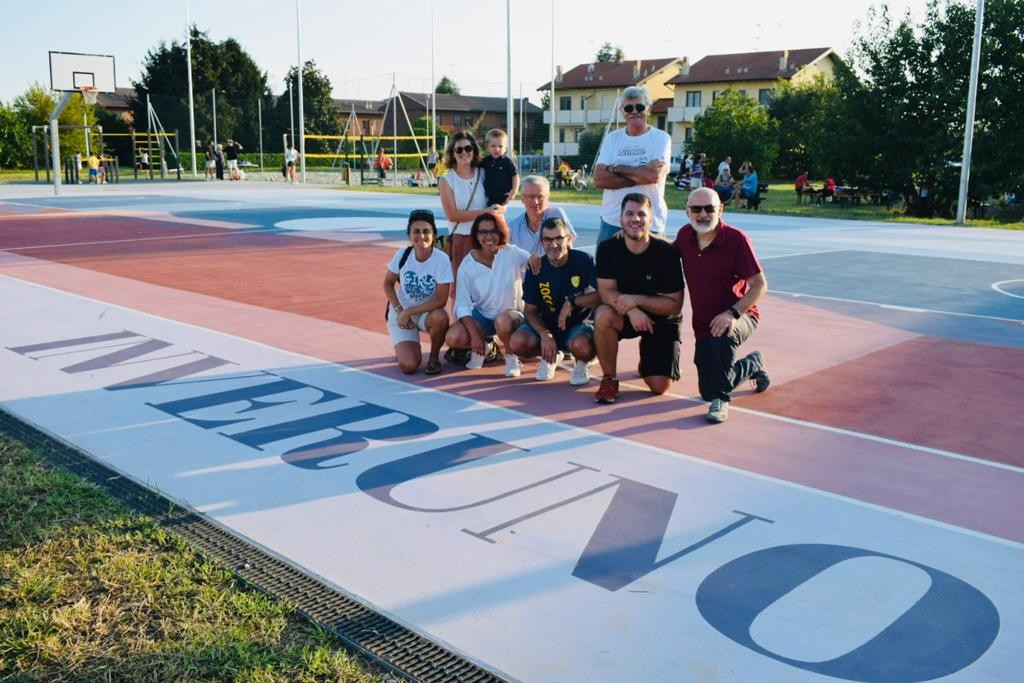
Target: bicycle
[[580, 179]]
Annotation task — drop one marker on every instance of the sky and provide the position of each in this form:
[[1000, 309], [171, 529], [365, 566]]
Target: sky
[[361, 46]]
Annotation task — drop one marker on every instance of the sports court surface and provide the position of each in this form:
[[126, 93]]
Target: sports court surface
[[861, 520]]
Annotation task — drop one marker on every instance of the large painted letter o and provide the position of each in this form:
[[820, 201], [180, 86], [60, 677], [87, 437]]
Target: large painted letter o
[[949, 628]]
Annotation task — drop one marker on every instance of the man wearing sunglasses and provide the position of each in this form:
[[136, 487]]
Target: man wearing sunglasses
[[725, 282], [633, 159]]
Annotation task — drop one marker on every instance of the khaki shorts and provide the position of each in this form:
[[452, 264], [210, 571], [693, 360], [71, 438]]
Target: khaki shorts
[[400, 334]]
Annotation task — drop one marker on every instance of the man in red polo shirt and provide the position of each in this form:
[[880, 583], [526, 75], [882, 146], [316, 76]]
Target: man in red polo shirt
[[725, 282]]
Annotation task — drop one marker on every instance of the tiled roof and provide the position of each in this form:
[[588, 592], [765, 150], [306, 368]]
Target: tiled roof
[[363, 107], [661, 106], [471, 103], [749, 66], [610, 74], [115, 100]]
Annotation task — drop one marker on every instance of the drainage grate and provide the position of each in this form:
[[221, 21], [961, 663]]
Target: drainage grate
[[386, 643]]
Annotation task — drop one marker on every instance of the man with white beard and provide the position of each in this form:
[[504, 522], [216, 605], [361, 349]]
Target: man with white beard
[[725, 281]]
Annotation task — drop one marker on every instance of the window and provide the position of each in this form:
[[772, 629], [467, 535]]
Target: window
[[561, 134], [661, 122], [688, 135], [670, 127], [693, 98], [565, 103], [743, 91], [764, 96]]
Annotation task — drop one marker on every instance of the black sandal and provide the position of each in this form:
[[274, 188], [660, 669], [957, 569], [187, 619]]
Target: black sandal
[[433, 367]]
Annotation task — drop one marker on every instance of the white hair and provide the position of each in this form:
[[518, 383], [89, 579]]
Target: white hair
[[636, 92], [539, 181]]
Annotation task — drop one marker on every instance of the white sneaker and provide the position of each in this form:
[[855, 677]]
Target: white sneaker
[[476, 361], [512, 366], [546, 370], [580, 373]]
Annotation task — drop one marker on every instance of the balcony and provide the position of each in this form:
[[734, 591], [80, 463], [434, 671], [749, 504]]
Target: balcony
[[563, 149], [684, 114], [565, 118]]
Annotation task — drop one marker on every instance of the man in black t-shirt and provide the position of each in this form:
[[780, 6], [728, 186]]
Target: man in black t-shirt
[[557, 306], [231, 155], [640, 280]]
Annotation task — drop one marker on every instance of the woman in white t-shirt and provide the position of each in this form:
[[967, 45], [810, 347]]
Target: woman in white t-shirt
[[462, 194], [416, 285], [489, 295], [291, 159]]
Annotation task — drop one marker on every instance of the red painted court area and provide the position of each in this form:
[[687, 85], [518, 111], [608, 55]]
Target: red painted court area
[[856, 408]]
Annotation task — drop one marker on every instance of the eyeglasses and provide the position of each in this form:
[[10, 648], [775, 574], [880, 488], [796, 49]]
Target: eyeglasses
[[466, 149], [481, 233], [553, 240], [533, 197], [706, 208], [630, 108]]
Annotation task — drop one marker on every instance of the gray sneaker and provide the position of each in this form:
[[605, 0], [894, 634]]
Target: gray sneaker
[[760, 380], [718, 411]]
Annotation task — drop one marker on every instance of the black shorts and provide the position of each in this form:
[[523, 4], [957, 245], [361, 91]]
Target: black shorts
[[659, 352]]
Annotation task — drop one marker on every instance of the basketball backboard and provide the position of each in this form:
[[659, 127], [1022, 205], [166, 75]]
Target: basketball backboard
[[70, 71]]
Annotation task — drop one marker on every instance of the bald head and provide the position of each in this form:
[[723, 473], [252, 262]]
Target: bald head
[[704, 210]]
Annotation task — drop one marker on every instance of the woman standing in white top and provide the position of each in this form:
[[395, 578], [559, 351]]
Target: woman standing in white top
[[489, 298], [462, 194], [291, 158]]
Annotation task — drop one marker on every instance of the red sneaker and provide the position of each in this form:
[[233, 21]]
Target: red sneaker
[[608, 391]]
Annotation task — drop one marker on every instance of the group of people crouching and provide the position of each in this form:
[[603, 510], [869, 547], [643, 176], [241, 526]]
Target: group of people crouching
[[523, 286]]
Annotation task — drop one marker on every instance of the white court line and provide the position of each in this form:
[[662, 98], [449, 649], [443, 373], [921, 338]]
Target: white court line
[[802, 253], [896, 307], [692, 458], [995, 286], [136, 239]]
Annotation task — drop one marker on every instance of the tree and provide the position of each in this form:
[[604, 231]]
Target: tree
[[737, 125], [807, 124], [15, 140], [911, 101], [34, 107], [321, 116], [609, 54], [446, 86], [225, 67]]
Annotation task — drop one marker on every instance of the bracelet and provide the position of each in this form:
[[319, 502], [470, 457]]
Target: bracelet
[[735, 312]]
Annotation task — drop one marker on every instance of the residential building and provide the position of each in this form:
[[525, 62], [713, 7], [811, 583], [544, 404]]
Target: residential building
[[361, 117], [754, 74], [117, 103], [586, 96]]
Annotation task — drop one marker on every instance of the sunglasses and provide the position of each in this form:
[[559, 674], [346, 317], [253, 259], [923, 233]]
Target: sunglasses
[[630, 108], [553, 240], [480, 233], [706, 208], [465, 149]]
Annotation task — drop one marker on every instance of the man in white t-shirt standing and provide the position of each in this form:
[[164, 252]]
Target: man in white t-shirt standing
[[633, 159]]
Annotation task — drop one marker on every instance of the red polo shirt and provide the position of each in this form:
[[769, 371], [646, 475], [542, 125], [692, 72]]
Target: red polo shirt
[[717, 276]]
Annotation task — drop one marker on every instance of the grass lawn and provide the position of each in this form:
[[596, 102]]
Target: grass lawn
[[90, 591], [779, 201]]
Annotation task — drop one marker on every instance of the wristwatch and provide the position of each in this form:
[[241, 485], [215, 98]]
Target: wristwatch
[[572, 300], [611, 169], [735, 312]]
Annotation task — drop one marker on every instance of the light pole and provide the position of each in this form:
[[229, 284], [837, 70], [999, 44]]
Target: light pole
[[302, 120], [972, 92], [191, 107]]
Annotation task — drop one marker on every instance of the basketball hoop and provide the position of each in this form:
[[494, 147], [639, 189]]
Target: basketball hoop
[[89, 94]]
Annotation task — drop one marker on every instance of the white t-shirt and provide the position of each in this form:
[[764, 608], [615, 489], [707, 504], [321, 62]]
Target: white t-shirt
[[723, 166], [626, 150], [519, 232], [291, 155], [462, 189], [418, 281], [491, 290]]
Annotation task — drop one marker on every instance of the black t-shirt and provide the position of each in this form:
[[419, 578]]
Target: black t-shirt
[[498, 175], [656, 271], [231, 152], [548, 289]]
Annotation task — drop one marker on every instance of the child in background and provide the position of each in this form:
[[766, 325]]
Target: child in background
[[501, 175]]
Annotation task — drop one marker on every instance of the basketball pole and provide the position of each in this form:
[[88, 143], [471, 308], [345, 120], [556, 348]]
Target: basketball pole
[[191, 105], [55, 137]]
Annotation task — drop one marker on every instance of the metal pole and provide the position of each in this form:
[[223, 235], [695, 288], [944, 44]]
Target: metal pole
[[35, 152], [55, 138], [85, 132], [191, 104], [214, 91], [509, 120], [149, 136], [972, 92], [259, 115], [551, 99], [302, 120], [520, 119], [291, 110], [433, 83]]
